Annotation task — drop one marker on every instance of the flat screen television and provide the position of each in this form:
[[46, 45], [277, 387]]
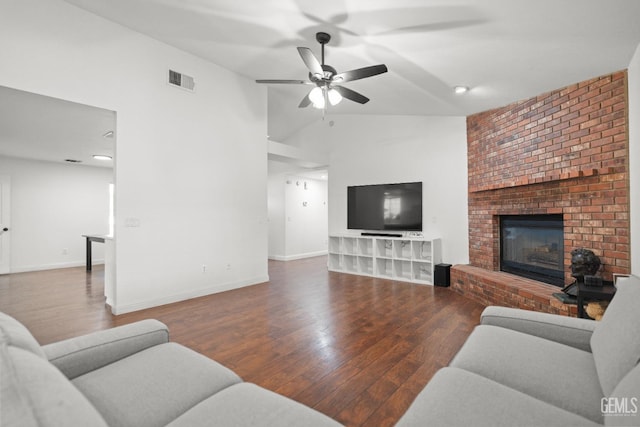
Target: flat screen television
[[395, 207]]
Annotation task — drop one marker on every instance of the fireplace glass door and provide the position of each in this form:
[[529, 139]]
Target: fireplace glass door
[[533, 246]]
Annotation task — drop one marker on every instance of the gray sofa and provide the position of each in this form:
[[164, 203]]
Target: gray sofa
[[130, 376], [516, 368], [523, 368]]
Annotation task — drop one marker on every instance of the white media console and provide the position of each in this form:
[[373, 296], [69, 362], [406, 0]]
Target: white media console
[[410, 259]]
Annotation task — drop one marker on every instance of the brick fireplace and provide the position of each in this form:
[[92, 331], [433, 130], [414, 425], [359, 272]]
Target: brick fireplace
[[564, 153]]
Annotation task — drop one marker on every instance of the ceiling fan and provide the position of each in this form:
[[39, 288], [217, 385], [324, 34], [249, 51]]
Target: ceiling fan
[[326, 79]]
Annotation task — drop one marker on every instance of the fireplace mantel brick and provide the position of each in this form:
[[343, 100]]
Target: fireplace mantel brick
[[563, 152]]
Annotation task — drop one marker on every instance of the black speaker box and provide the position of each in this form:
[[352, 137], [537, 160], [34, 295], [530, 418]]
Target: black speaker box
[[442, 275]]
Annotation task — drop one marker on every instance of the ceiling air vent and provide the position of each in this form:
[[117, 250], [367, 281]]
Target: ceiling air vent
[[181, 80]]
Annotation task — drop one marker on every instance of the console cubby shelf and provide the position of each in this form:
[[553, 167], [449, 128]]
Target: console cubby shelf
[[410, 259]]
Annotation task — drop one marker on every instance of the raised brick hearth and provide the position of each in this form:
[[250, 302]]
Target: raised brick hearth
[[498, 288], [564, 152]]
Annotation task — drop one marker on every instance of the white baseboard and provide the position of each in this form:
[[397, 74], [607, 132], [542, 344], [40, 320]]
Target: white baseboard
[[219, 287], [297, 256], [53, 266]]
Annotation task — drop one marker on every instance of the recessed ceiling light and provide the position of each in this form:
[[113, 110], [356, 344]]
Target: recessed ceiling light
[[101, 157], [108, 134], [459, 90]]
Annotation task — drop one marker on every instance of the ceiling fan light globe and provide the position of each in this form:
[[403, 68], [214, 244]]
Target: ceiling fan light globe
[[316, 96], [334, 97]]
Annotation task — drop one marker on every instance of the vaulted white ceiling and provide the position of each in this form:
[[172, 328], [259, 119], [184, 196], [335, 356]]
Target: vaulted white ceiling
[[504, 50]]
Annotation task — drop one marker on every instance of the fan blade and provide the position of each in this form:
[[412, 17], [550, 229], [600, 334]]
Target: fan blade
[[311, 61], [436, 26], [360, 73], [351, 94], [285, 82], [305, 102]]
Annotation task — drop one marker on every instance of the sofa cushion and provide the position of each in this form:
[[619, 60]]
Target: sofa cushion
[[455, 397], [34, 393], [623, 405], [533, 366], [79, 355], [247, 404], [16, 409], [616, 341], [563, 329], [154, 386], [17, 335]]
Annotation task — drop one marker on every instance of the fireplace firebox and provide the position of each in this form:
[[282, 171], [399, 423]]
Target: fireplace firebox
[[532, 246]]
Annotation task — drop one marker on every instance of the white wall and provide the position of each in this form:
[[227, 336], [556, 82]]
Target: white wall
[[390, 149], [298, 223], [190, 167], [276, 211], [52, 206], [306, 220], [634, 159]]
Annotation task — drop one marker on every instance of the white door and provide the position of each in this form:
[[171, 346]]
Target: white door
[[5, 224]]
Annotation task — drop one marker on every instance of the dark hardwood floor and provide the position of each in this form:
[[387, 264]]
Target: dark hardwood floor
[[356, 348]]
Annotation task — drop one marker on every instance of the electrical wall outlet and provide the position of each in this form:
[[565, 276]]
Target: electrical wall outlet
[[132, 222]]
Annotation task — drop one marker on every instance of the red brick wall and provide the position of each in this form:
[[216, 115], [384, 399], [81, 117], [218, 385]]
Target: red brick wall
[[563, 152]]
